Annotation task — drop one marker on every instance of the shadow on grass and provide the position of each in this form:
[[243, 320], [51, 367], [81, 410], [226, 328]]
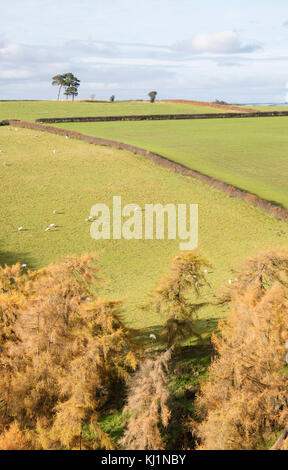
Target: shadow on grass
[[202, 327], [188, 368], [9, 258], [206, 326], [142, 337]]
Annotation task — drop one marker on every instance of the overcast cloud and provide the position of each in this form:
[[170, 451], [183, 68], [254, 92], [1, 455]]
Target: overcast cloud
[[192, 49]]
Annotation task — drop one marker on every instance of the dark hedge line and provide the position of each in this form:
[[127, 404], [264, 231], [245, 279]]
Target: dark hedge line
[[277, 211], [4, 123], [159, 117]]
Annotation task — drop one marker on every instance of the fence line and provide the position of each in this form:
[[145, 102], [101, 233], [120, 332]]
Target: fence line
[[162, 117]]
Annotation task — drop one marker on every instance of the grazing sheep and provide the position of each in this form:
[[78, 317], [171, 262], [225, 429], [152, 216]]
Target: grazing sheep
[[20, 228], [23, 265], [4, 163], [152, 336], [206, 271], [230, 281], [52, 225], [55, 212], [54, 151], [66, 137], [47, 229]]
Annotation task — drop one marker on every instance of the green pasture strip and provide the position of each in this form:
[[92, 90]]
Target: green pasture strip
[[251, 154], [35, 181], [268, 108], [32, 110]]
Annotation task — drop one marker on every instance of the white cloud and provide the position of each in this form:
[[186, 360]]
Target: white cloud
[[15, 74], [225, 42]]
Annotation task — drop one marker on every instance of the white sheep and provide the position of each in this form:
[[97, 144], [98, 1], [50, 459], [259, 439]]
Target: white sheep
[[55, 212], [52, 225], [47, 229], [20, 228], [23, 265], [54, 151], [152, 336]]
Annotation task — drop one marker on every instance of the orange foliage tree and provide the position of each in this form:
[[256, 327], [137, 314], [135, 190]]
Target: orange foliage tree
[[147, 404], [244, 405], [176, 296], [62, 350]]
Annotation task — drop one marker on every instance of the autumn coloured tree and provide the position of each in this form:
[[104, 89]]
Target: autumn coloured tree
[[63, 349], [176, 296], [147, 404], [243, 405]]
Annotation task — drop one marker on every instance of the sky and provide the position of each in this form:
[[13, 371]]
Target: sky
[[236, 51]]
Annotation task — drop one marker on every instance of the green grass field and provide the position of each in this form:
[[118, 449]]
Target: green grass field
[[30, 110], [269, 108], [250, 153], [36, 181]]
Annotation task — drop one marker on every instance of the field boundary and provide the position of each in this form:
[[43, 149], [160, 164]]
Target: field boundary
[[207, 104], [250, 198], [161, 117]]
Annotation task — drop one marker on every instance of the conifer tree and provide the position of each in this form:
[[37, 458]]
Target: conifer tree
[[176, 296], [243, 405], [63, 349], [147, 404]]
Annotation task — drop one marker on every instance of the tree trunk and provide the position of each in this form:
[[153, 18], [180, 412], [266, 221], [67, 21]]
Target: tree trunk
[[59, 91], [280, 440]]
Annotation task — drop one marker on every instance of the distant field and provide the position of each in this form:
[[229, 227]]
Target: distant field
[[31, 110], [36, 181], [269, 108], [251, 154]]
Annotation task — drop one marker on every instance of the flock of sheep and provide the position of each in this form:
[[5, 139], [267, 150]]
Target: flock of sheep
[[152, 336]]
